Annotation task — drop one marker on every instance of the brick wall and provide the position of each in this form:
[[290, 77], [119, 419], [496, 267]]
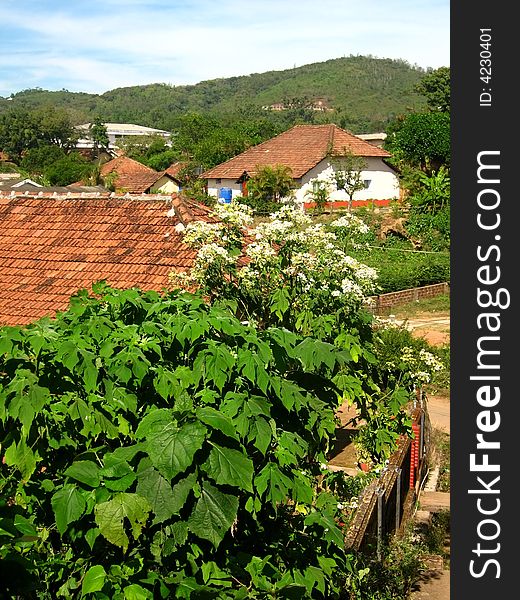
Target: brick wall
[[378, 303]]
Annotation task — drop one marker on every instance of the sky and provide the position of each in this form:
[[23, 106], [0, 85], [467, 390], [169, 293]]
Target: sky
[[98, 45]]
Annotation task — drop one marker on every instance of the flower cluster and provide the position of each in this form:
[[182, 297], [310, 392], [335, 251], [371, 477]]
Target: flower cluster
[[351, 230], [286, 252], [421, 364]]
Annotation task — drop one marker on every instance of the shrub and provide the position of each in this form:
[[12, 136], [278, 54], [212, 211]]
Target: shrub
[[154, 446]]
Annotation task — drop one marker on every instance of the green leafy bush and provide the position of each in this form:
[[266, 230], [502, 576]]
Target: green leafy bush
[[154, 447]]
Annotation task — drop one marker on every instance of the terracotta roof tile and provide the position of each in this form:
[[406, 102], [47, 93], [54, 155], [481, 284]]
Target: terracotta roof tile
[[175, 168], [300, 148], [123, 165], [50, 247]]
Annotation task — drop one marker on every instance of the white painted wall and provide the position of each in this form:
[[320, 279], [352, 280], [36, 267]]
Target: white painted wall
[[214, 187], [384, 184], [164, 186]]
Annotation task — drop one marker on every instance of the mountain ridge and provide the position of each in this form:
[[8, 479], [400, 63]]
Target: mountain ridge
[[355, 91]]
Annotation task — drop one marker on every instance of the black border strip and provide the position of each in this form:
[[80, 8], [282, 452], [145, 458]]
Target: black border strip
[[485, 245]]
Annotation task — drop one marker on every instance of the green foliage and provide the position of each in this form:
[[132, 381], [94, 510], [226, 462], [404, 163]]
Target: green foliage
[[21, 130], [98, 134], [393, 577], [435, 87], [421, 139], [37, 160], [270, 184], [259, 206], [68, 169], [154, 446], [319, 194], [434, 192], [401, 270], [433, 229]]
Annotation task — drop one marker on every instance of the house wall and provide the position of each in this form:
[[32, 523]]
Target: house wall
[[214, 187], [384, 184], [165, 186]]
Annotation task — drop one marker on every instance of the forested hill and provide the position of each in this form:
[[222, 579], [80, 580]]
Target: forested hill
[[362, 93]]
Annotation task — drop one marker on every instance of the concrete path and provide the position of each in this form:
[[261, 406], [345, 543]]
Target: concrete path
[[439, 412], [434, 585], [434, 501]]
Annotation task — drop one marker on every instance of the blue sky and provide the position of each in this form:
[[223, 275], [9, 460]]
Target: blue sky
[[98, 45]]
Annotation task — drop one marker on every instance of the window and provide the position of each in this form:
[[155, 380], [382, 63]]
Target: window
[[367, 183], [219, 180]]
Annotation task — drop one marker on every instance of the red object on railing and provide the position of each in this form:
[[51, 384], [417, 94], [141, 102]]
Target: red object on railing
[[417, 434], [414, 454]]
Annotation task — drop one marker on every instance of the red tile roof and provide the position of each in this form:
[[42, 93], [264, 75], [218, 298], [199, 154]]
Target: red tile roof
[[175, 168], [123, 165], [300, 148], [132, 176], [50, 247]]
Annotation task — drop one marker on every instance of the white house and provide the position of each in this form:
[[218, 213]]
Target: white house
[[312, 152]]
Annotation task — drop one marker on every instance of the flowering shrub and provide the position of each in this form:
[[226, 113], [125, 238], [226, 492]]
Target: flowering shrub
[[351, 231], [283, 271], [292, 273], [405, 361]]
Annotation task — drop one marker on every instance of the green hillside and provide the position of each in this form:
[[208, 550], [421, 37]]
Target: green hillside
[[363, 93]]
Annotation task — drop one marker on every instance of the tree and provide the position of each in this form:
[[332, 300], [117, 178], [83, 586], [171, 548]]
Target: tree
[[36, 160], [69, 169], [319, 194], [21, 130], [421, 140], [18, 132], [55, 127], [99, 135], [434, 194], [435, 86], [347, 174], [271, 183]]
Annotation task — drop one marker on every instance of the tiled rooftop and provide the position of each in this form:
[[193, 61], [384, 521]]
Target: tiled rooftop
[[300, 148], [52, 246], [175, 168]]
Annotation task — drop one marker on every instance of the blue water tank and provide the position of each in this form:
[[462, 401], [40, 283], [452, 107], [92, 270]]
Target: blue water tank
[[225, 195]]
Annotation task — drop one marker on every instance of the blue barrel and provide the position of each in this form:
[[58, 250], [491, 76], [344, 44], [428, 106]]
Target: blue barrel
[[225, 194]]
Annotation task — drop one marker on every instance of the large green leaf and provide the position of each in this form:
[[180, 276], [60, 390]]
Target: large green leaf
[[21, 456], [261, 434], [181, 491], [213, 514], [110, 517], [68, 505], [152, 423], [94, 580], [217, 420], [136, 592], [274, 483], [84, 471], [172, 449], [229, 467], [152, 486]]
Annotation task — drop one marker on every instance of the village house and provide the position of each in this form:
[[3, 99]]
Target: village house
[[133, 177], [312, 152], [52, 245]]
